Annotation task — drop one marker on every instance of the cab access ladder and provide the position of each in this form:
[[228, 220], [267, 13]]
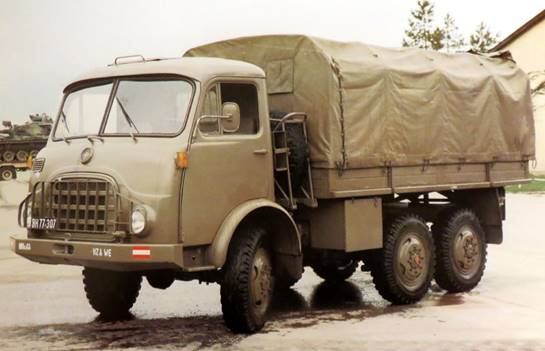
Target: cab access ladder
[[287, 195]]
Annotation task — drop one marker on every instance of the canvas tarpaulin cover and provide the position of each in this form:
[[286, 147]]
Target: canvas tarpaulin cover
[[368, 106]]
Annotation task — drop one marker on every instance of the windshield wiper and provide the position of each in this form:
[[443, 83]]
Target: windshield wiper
[[128, 119], [63, 119]]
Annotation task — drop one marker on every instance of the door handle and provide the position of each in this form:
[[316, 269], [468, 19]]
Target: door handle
[[260, 151]]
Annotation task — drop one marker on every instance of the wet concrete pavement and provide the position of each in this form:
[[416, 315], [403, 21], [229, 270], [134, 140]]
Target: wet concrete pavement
[[44, 307]]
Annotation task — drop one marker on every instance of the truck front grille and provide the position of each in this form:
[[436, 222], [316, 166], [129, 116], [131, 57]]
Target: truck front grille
[[84, 206], [78, 205]]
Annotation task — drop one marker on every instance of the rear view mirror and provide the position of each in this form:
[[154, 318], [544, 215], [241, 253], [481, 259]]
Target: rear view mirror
[[227, 122], [232, 112]]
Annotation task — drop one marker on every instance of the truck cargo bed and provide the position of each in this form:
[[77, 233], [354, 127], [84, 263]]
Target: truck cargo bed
[[330, 183], [384, 121]]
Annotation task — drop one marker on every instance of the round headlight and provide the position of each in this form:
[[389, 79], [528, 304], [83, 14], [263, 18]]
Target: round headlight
[[138, 221]]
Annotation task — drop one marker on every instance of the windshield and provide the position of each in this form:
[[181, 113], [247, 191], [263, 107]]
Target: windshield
[[136, 107], [82, 111]]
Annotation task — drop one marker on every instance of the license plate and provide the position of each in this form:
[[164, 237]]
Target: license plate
[[43, 223]]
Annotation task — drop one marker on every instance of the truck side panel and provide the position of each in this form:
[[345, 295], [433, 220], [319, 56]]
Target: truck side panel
[[330, 183], [347, 225]]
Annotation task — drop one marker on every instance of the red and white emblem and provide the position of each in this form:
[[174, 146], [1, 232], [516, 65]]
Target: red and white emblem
[[141, 252]]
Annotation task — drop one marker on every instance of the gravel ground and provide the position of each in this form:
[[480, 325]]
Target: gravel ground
[[44, 307]]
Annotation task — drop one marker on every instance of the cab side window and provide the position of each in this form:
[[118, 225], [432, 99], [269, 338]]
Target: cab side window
[[211, 108], [244, 95]]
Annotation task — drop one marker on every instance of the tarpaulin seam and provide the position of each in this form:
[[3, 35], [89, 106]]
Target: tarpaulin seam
[[336, 68]]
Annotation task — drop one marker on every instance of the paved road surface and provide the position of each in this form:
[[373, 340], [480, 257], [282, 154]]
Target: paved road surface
[[44, 307]]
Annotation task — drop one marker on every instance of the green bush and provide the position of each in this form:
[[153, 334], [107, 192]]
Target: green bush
[[536, 185]]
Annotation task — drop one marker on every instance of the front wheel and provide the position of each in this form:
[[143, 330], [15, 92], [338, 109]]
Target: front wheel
[[111, 293], [461, 251], [247, 284], [402, 270]]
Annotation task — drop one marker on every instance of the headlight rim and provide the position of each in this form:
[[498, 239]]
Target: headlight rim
[[142, 210]]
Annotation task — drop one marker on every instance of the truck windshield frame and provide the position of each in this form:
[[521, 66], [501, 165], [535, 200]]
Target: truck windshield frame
[[103, 116]]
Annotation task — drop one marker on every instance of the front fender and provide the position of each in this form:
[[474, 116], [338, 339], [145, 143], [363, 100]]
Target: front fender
[[288, 240]]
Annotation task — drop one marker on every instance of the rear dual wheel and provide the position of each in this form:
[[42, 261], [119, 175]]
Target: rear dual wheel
[[403, 269], [460, 249]]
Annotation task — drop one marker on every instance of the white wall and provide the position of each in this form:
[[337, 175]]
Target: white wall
[[529, 52]]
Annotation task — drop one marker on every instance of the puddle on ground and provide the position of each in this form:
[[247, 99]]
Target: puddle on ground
[[326, 302]]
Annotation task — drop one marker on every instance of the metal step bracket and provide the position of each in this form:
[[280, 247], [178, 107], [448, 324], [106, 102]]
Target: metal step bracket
[[286, 195]]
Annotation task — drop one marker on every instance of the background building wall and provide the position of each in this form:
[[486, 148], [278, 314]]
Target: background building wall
[[529, 52]]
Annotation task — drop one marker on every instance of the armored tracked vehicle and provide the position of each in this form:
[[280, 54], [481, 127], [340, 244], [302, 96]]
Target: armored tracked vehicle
[[18, 142]]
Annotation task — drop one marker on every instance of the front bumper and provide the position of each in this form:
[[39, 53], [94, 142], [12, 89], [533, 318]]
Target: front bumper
[[114, 256]]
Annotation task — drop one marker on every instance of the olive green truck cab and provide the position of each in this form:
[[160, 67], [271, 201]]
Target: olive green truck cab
[[249, 159]]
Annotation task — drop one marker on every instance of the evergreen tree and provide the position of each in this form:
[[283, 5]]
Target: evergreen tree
[[452, 39], [482, 39], [437, 38], [421, 32]]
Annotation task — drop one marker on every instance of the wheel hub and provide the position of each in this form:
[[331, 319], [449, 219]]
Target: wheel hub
[[6, 175], [412, 262], [261, 284], [467, 255]]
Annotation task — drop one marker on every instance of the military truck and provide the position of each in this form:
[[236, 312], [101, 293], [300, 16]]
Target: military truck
[[249, 159]]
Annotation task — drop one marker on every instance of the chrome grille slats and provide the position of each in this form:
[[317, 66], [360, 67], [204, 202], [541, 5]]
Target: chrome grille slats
[[38, 164]]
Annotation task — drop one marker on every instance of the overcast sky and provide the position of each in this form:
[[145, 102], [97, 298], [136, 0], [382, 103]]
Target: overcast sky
[[46, 43]]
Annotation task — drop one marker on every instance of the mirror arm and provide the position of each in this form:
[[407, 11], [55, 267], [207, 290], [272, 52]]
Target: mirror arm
[[218, 119], [214, 116]]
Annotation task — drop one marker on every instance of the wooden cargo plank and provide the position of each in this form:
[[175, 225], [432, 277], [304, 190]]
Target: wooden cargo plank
[[329, 183]]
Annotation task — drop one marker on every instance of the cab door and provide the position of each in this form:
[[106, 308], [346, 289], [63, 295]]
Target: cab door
[[226, 168]]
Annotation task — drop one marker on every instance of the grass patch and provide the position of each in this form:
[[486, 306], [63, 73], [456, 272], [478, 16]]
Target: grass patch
[[536, 185]]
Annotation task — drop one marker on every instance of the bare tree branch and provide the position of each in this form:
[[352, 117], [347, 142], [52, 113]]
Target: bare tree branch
[[537, 80]]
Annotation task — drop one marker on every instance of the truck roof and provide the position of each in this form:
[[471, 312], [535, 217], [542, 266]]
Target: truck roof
[[198, 68]]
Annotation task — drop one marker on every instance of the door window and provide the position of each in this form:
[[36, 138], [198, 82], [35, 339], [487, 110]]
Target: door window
[[244, 95]]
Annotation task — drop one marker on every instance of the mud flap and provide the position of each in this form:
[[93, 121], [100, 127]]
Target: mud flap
[[489, 204]]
